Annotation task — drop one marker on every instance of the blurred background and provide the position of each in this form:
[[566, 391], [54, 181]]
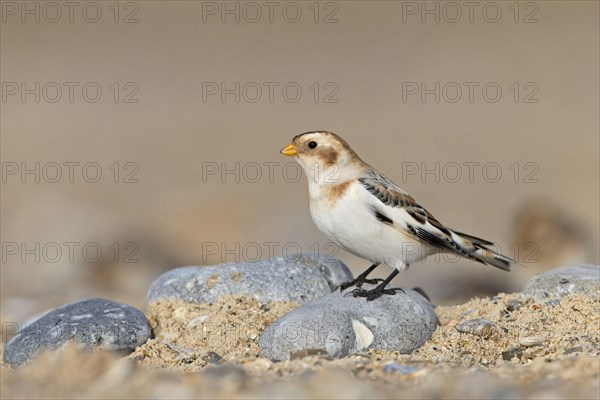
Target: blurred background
[[137, 137]]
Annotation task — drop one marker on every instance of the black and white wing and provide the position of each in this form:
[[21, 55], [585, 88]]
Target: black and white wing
[[395, 207]]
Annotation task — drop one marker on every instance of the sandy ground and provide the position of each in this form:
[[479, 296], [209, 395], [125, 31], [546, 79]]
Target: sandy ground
[[529, 350], [190, 336]]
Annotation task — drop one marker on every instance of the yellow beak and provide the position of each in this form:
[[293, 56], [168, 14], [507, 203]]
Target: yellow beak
[[289, 150]]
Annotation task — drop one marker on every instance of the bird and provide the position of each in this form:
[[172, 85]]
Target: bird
[[368, 215]]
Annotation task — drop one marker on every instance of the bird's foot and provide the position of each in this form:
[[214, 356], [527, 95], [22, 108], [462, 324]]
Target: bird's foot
[[358, 283], [374, 293]]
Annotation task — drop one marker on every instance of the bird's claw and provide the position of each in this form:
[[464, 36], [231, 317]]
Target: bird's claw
[[373, 294]]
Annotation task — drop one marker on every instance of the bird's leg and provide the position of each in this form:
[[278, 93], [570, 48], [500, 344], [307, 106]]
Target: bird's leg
[[379, 291], [362, 278]]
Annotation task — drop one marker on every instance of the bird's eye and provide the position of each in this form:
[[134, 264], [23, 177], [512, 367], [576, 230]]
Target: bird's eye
[[312, 145]]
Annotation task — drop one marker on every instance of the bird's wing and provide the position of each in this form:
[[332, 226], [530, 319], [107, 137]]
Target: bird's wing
[[420, 223], [400, 210]]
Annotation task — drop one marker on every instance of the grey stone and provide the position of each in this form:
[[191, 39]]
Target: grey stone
[[514, 305], [400, 369], [552, 303], [342, 324], [301, 278], [91, 323], [557, 282], [212, 358], [516, 352]]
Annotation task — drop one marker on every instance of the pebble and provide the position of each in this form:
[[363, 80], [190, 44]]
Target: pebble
[[571, 350], [400, 369], [512, 353], [557, 282], [301, 279], [479, 327], [91, 323], [530, 341], [341, 324], [212, 358], [552, 303], [514, 305]]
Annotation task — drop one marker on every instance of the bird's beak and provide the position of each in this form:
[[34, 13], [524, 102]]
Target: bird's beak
[[289, 150]]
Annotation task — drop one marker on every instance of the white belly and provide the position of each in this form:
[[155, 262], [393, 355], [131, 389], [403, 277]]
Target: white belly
[[350, 223]]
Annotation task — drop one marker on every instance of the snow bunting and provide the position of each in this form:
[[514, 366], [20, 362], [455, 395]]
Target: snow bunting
[[370, 216]]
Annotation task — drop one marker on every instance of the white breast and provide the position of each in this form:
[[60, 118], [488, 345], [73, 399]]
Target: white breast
[[351, 224]]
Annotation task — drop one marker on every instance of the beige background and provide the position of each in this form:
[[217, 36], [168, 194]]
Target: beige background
[[173, 214]]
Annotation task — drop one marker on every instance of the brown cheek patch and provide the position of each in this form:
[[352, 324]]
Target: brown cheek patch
[[335, 192], [328, 157]]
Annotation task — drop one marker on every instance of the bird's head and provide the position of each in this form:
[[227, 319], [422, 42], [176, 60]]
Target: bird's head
[[325, 157]]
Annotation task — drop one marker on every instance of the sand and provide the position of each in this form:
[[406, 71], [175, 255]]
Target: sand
[[531, 350], [190, 336]]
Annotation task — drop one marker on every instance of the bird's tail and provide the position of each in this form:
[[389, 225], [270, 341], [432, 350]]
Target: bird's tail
[[479, 250]]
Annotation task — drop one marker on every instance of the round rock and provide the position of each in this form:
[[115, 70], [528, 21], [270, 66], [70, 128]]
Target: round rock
[[341, 324], [301, 278], [91, 323], [557, 282]]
